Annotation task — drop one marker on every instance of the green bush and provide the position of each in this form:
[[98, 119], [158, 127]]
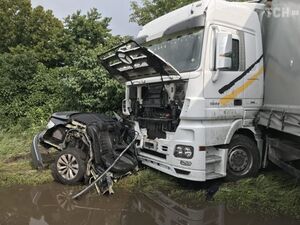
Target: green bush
[[51, 66]]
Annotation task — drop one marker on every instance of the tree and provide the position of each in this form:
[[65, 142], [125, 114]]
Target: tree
[[14, 23], [22, 25], [88, 87], [44, 35], [17, 71], [86, 32], [91, 29], [47, 65], [26, 43], [151, 9]]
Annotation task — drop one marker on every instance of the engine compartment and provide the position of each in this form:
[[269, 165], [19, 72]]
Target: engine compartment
[[157, 106]]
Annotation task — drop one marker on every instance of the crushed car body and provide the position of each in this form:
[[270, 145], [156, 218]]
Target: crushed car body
[[88, 144]]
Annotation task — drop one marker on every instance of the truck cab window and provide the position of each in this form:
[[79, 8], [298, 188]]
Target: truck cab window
[[181, 51], [235, 57]]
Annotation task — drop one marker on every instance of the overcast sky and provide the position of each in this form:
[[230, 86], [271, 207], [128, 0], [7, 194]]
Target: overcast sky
[[119, 10]]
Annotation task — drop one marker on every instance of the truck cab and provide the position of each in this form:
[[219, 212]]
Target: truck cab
[[194, 84]]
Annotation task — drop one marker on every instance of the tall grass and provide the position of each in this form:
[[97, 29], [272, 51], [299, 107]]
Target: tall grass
[[273, 192], [15, 159]]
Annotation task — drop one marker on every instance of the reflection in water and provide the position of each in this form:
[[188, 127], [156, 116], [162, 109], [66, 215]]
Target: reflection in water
[[51, 204]]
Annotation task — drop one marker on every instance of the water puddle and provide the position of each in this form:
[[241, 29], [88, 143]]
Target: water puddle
[[51, 205]]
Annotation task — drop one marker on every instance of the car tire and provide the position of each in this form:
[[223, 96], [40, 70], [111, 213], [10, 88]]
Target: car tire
[[243, 158], [69, 167]]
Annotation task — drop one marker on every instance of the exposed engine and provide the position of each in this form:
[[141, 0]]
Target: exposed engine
[[93, 148], [157, 107]]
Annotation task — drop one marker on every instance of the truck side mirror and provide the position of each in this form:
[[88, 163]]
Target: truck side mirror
[[223, 51]]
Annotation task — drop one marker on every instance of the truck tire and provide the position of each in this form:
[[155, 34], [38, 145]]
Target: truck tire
[[69, 167], [243, 158]]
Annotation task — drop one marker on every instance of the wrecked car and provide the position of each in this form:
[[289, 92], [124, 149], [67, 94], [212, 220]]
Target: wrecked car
[[88, 144]]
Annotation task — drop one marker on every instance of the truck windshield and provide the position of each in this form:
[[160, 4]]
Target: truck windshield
[[181, 51]]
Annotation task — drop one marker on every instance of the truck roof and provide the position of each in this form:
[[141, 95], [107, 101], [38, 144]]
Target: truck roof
[[173, 20], [189, 16]]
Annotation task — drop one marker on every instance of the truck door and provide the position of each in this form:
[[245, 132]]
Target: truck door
[[218, 88]]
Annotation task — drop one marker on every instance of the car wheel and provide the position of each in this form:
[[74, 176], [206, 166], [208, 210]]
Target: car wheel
[[243, 158], [68, 168]]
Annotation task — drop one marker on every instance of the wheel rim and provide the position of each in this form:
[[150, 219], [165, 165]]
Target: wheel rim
[[67, 166], [65, 201], [240, 160]]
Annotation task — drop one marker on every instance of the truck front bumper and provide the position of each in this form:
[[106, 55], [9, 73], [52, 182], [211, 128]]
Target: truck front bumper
[[176, 171]]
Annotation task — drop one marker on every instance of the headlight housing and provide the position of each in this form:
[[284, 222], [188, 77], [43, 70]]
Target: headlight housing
[[50, 124], [184, 151]]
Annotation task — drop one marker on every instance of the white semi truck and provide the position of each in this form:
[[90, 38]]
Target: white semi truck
[[213, 88]]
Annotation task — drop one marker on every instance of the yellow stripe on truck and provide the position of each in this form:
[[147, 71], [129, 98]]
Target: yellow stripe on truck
[[230, 97]]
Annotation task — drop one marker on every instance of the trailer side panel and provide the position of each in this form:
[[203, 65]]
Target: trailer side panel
[[281, 34]]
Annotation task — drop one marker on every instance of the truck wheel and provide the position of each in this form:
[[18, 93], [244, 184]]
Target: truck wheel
[[68, 168], [243, 158]]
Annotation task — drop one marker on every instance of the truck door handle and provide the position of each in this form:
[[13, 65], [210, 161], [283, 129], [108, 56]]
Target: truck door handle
[[215, 76]]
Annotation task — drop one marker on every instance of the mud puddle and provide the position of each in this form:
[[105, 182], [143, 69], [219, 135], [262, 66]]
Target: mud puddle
[[50, 204]]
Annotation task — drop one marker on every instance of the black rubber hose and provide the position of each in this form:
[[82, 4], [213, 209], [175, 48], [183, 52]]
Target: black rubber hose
[[106, 171]]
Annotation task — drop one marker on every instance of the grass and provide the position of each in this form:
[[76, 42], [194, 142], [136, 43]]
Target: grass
[[14, 144], [271, 193], [148, 181], [21, 172], [15, 164]]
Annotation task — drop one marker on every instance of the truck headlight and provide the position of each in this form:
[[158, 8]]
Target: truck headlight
[[184, 151]]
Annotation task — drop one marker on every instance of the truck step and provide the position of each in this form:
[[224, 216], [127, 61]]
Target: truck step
[[213, 159], [212, 175]]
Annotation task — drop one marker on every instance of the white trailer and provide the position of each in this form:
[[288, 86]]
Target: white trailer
[[195, 87], [279, 118]]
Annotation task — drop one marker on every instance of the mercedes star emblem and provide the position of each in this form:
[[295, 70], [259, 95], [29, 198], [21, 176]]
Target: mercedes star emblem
[[124, 58]]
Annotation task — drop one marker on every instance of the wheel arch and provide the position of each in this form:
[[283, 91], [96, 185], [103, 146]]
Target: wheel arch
[[237, 128], [247, 132], [250, 132]]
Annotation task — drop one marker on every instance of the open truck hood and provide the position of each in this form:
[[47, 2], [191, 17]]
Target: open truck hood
[[130, 61]]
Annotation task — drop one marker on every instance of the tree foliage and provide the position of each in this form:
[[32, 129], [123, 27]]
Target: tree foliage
[[151, 9], [22, 25], [17, 70], [47, 65], [91, 28]]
